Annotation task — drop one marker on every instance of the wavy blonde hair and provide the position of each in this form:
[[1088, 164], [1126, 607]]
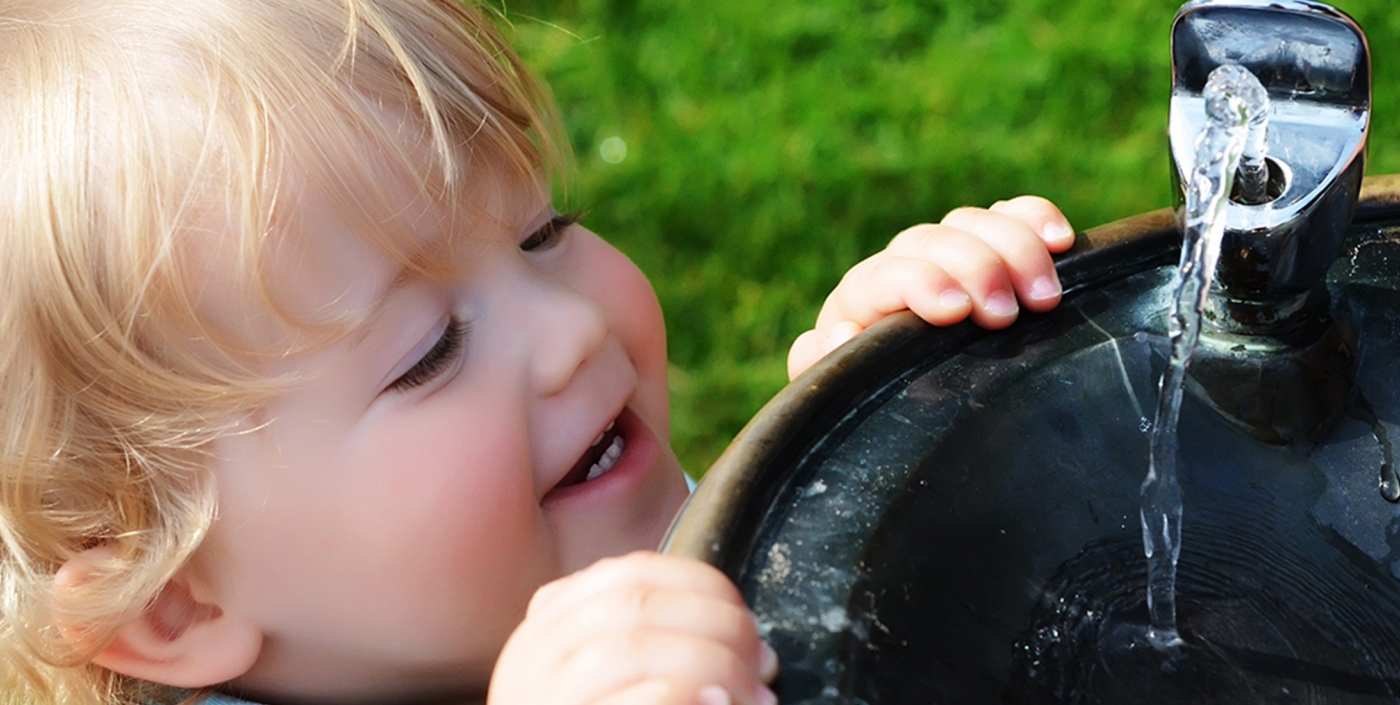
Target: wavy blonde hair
[[129, 129]]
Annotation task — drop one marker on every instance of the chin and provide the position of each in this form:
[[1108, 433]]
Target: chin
[[643, 532]]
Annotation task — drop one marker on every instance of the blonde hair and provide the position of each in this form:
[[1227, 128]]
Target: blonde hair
[[127, 127]]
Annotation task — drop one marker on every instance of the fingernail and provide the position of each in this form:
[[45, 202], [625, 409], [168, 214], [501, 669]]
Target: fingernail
[[1057, 232], [953, 298], [1044, 288], [767, 661], [714, 695], [1000, 304], [767, 697]]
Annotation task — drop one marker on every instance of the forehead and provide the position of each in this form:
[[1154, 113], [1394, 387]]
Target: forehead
[[349, 193], [337, 247]]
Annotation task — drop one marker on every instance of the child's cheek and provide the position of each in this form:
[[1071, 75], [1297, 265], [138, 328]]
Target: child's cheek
[[416, 538], [635, 316], [460, 520]]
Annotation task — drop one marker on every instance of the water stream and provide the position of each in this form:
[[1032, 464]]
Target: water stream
[[1236, 107]]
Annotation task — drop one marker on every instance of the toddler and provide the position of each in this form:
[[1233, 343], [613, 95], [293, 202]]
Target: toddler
[[306, 389]]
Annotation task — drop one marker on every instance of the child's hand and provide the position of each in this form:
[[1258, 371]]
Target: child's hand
[[642, 629], [977, 263]]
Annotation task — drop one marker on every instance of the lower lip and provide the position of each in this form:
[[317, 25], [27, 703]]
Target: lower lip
[[638, 459]]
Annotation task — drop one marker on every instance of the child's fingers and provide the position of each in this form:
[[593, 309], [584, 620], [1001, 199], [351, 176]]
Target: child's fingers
[[805, 352], [633, 607], [666, 691], [619, 660], [937, 293], [653, 691], [813, 345], [600, 634], [889, 282], [1023, 254], [1043, 217], [640, 568], [968, 273], [660, 691], [645, 592], [989, 263]]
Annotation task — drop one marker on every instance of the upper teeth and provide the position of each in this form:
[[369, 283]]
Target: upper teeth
[[609, 458], [599, 439]]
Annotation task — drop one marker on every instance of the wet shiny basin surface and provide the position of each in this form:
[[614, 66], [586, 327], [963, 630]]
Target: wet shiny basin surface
[[952, 516]]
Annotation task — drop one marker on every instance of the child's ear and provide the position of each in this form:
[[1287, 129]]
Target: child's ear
[[182, 639]]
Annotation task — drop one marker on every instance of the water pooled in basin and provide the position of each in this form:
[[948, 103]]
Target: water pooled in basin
[[1247, 635], [1235, 102]]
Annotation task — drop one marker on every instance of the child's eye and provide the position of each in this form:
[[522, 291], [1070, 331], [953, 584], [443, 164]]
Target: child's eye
[[438, 358], [548, 235]]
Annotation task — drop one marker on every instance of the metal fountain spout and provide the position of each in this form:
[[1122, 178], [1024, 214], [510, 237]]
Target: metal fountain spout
[[1315, 65], [1273, 357]]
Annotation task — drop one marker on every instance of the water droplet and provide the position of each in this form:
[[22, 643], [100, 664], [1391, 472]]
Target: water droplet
[[1360, 408], [1390, 489]]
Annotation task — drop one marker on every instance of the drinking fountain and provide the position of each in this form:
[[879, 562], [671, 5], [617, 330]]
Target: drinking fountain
[[1272, 360], [952, 515]]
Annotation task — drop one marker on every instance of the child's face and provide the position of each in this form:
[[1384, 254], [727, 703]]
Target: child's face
[[389, 522]]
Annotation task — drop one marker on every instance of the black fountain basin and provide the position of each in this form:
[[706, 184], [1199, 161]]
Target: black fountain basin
[[951, 515]]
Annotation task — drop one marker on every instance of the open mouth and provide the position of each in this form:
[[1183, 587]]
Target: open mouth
[[600, 458]]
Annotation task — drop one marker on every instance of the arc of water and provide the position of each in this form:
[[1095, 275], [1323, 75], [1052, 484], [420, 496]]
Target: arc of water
[[1242, 96], [1236, 109]]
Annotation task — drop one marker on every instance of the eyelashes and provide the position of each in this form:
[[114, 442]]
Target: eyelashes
[[451, 346], [549, 234], [439, 358]]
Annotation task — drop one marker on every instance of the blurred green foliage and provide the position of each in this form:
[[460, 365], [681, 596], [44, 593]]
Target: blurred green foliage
[[771, 144]]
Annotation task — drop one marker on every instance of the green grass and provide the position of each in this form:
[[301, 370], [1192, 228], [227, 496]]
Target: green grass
[[771, 144]]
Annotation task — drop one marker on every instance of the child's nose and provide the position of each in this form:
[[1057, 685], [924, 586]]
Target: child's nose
[[569, 330]]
